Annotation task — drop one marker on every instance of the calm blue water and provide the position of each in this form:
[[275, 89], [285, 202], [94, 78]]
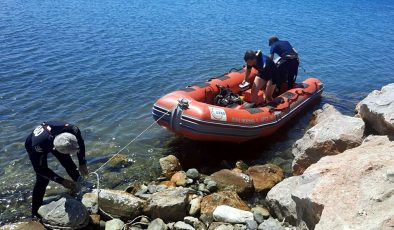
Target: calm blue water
[[102, 64]]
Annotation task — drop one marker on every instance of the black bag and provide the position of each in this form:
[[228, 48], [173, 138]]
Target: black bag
[[226, 97]]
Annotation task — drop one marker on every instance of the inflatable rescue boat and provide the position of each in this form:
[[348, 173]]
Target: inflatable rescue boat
[[215, 110]]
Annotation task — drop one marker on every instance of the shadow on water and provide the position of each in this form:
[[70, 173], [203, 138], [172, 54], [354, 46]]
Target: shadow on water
[[209, 157]]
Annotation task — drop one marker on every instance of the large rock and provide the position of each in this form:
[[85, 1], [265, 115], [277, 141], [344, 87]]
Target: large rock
[[377, 110], [233, 181], [114, 224], [169, 165], [333, 134], [118, 204], [29, 225], [169, 204], [354, 189], [232, 215], [265, 176], [157, 224], [229, 198], [65, 213], [280, 202]]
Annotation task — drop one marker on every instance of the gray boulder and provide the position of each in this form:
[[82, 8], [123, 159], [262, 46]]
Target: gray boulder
[[377, 110], [280, 202], [180, 225], [114, 224], [65, 213], [157, 224], [118, 204], [169, 204], [333, 134]]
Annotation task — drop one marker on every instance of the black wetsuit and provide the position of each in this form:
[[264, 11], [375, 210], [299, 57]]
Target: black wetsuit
[[38, 144], [288, 65], [266, 69]]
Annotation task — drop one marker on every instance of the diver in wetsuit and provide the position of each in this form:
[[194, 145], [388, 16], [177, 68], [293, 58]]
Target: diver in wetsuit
[[289, 62], [63, 140]]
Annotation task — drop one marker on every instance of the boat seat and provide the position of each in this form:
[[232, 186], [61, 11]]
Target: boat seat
[[248, 96]]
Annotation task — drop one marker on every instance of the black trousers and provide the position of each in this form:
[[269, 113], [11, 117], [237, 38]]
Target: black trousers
[[288, 69], [42, 181]]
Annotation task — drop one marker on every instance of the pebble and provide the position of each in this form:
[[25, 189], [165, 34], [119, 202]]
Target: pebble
[[251, 225], [193, 173], [212, 186], [180, 225], [114, 224]]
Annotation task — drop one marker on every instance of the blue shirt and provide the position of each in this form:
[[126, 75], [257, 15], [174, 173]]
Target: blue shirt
[[281, 48]]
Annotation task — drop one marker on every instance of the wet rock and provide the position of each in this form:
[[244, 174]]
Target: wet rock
[[251, 225], [330, 136], [28, 225], [65, 213], [120, 160], [229, 198], [271, 224], [265, 176], [169, 204], [193, 174], [90, 201], [212, 186], [260, 214], [157, 224], [280, 202], [180, 225], [349, 189], [169, 165], [231, 215], [229, 180], [195, 206], [179, 178], [114, 224], [377, 110], [119, 204]]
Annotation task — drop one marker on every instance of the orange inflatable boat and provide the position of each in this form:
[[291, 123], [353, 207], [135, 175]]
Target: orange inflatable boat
[[203, 112]]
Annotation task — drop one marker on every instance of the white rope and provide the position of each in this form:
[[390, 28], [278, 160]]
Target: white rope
[[135, 138]]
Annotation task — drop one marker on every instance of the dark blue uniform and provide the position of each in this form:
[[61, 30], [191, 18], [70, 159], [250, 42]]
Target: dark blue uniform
[[38, 144], [266, 69], [288, 65]]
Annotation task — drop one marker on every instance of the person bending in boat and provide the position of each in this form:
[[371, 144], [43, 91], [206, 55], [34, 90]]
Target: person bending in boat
[[266, 78], [63, 140], [288, 63]]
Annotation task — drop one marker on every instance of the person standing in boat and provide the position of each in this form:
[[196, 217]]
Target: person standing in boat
[[267, 77], [63, 140], [289, 62]]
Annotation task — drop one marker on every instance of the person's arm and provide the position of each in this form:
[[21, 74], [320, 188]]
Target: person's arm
[[272, 52], [81, 143], [41, 169], [247, 73]]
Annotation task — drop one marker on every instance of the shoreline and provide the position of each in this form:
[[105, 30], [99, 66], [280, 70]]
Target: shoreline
[[259, 196]]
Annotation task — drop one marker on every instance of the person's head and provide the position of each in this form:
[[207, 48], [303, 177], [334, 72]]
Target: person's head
[[272, 40], [66, 143], [250, 57]]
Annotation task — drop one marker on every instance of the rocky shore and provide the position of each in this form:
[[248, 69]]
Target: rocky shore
[[343, 179]]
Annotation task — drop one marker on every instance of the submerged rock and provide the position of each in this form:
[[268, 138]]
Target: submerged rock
[[351, 189], [169, 204], [330, 136], [65, 213], [210, 202], [117, 203], [229, 180], [265, 176], [169, 165], [114, 224], [377, 110], [232, 215], [28, 225]]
